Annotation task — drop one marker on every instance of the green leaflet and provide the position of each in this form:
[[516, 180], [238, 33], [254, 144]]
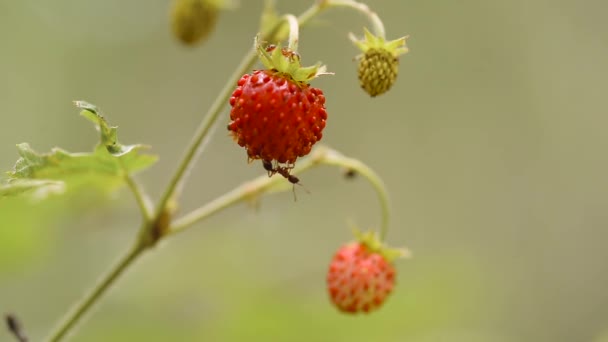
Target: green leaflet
[[59, 171]]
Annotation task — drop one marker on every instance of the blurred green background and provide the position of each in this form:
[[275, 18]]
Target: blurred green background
[[492, 144]]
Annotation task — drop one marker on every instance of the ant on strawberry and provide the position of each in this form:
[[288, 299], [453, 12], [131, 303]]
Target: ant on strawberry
[[268, 167], [283, 171], [292, 55]]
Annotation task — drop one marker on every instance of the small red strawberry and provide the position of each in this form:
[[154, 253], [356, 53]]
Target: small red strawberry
[[361, 275], [276, 115]]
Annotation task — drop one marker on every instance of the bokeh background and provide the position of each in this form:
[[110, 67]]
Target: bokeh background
[[492, 144]]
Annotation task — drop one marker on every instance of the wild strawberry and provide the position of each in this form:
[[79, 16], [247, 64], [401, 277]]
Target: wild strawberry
[[276, 115], [361, 275], [379, 63], [193, 20]]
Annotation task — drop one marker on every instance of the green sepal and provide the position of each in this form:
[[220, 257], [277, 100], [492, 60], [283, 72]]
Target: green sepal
[[396, 47], [288, 63], [371, 240]]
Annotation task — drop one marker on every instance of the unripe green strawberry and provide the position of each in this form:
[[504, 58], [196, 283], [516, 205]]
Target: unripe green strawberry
[[276, 115], [192, 21], [361, 274], [379, 63], [377, 71]]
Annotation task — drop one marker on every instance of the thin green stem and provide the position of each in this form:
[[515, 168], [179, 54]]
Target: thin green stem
[[377, 25], [142, 199], [73, 316], [256, 187], [335, 158], [204, 128], [248, 190]]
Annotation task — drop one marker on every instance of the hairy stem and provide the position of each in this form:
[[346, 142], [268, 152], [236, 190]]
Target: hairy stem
[[260, 185]]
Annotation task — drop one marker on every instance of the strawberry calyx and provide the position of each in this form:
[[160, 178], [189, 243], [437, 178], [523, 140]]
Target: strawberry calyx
[[395, 47], [286, 62], [373, 243]]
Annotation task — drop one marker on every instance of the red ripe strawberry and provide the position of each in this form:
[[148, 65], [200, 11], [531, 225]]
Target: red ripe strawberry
[[361, 275], [276, 115]]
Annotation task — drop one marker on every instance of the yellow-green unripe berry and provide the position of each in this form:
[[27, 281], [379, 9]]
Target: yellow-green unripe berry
[[379, 64], [192, 21], [377, 71]]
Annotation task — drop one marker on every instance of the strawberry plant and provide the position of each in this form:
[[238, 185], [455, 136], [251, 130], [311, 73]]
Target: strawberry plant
[[276, 115]]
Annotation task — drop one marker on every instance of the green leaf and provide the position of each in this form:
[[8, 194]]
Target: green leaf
[[108, 135], [59, 171], [41, 188]]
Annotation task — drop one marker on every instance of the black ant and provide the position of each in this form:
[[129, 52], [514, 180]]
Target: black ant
[[269, 167], [283, 171]]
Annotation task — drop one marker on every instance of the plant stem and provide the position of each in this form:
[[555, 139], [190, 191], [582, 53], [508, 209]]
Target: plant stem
[[335, 158], [251, 189], [377, 25], [142, 199], [204, 128], [245, 191], [95, 293]]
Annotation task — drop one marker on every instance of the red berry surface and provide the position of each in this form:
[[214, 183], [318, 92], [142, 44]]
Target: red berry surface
[[358, 279], [276, 118]]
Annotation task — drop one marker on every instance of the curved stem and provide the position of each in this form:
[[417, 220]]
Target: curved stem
[[252, 189], [335, 158], [377, 25], [294, 32], [96, 292]]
